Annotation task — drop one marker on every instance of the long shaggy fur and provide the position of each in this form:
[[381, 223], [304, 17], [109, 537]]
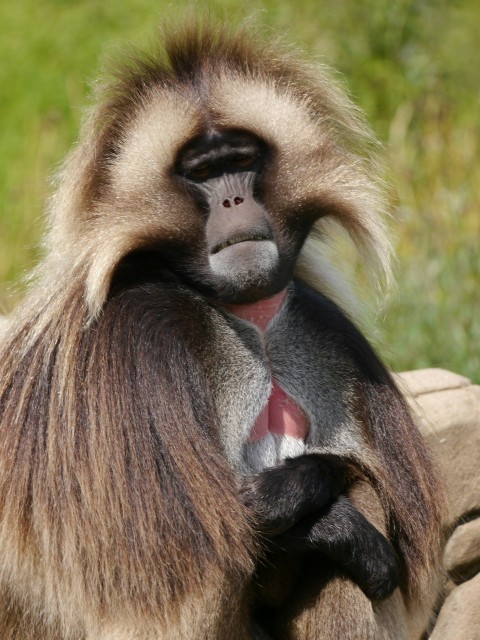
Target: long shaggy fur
[[119, 514], [205, 76]]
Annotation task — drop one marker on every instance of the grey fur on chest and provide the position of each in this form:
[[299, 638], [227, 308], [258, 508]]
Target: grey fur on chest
[[319, 376], [305, 366]]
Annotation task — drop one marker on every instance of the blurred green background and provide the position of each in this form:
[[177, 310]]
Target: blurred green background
[[412, 65]]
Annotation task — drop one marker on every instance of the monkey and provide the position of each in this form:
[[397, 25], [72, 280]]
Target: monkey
[[196, 441], [213, 167]]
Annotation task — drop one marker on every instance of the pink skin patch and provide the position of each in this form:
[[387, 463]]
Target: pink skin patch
[[259, 313], [282, 415]]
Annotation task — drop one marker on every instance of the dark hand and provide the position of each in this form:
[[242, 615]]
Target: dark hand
[[344, 535], [280, 496]]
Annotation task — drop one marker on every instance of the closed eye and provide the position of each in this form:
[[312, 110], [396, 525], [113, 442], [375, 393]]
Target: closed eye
[[244, 161], [202, 172]]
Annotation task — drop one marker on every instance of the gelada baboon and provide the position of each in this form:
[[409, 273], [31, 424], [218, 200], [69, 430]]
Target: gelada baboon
[[195, 440]]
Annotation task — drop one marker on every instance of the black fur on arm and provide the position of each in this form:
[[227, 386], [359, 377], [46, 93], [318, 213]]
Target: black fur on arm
[[281, 495], [299, 507], [401, 469], [346, 537]]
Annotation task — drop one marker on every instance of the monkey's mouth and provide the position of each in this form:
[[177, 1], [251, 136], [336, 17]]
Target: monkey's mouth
[[246, 237]]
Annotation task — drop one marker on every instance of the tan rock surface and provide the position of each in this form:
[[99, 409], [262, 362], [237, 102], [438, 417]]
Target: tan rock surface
[[448, 407], [459, 617], [462, 552], [418, 382]]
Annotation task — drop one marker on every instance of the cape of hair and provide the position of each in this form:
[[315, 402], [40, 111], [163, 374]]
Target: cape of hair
[[104, 405]]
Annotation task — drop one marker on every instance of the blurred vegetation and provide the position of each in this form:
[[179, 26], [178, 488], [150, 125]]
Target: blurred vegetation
[[413, 66]]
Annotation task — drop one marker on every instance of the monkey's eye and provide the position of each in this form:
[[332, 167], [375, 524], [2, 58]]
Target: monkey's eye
[[201, 172], [244, 161]]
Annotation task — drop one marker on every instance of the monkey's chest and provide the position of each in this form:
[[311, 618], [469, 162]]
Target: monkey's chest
[[281, 427], [279, 432]]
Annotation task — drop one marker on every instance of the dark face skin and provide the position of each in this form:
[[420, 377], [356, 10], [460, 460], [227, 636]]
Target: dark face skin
[[245, 254]]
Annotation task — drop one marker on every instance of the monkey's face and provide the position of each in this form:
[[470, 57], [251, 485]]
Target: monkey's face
[[220, 176], [245, 253], [202, 199]]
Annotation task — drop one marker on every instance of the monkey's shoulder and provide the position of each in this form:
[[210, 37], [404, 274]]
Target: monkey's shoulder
[[310, 333], [314, 329]]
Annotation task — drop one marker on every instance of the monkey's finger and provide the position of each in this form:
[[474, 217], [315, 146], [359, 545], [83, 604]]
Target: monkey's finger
[[343, 534]]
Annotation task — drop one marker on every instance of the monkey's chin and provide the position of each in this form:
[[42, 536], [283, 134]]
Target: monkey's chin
[[245, 271]]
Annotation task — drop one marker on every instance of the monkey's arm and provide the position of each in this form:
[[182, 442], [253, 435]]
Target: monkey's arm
[[344, 535], [298, 503], [346, 384], [281, 495]]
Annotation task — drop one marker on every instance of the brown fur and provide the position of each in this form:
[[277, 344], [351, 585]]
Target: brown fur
[[119, 515], [307, 611], [80, 453]]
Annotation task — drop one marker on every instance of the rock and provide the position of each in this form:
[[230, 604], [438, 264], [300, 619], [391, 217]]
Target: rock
[[462, 553], [448, 408], [459, 618], [418, 382]]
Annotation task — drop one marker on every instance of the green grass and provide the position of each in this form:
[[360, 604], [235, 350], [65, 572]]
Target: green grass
[[411, 64]]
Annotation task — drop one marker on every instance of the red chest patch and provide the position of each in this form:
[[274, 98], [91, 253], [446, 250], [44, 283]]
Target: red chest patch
[[281, 415]]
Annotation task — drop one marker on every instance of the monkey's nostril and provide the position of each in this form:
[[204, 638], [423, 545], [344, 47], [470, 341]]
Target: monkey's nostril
[[238, 200], [226, 203]]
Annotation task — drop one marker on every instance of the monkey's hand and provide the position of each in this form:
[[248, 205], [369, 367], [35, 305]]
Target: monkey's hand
[[299, 504], [280, 496], [344, 535]]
